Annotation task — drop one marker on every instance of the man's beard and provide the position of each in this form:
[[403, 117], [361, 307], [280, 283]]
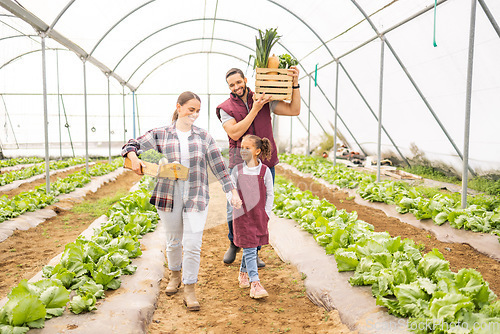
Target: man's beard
[[243, 91]]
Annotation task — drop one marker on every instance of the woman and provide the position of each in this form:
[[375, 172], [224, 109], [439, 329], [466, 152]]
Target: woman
[[183, 205]]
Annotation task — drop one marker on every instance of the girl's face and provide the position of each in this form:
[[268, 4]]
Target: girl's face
[[248, 150], [189, 112]]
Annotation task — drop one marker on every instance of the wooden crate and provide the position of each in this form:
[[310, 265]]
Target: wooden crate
[[279, 85]]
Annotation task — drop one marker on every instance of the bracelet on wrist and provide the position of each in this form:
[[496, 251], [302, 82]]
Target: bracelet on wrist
[[296, 87]]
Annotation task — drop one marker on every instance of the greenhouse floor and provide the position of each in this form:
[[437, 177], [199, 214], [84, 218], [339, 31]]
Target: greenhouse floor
[[225, 307], [291, 274]]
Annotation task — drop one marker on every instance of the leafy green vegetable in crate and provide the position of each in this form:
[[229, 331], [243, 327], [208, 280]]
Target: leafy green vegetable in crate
[[151, 155], [286, 61], [263, 48]]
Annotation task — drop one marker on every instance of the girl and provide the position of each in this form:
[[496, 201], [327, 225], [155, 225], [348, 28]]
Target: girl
[[255, 187], [183, 205]]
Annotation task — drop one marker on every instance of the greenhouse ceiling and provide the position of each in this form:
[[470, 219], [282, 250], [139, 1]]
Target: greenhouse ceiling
[[427, 70]]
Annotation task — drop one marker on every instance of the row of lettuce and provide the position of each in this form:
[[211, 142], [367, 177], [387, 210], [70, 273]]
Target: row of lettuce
[[87, 267], [25, 173], [38, 198], [19, 161], [482, 213], [420, 288]]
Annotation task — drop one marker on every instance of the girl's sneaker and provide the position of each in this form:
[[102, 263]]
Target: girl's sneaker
[[257, 290], [243, 280]]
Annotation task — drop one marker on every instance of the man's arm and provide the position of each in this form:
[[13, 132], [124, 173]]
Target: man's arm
[[292, 108], [236, 129]]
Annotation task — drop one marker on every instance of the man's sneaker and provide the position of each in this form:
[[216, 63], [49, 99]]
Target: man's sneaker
[[257, 290], [243, 280]]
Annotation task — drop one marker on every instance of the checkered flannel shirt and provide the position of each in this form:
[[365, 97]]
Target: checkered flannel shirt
[[202, 149]]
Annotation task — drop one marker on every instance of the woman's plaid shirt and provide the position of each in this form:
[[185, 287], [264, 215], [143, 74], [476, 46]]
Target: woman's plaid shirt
[[202, 149]]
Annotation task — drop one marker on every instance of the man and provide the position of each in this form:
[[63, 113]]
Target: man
[[243, 114]]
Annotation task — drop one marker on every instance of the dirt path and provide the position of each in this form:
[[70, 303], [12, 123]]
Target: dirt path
[[225, 308], [459, 255]]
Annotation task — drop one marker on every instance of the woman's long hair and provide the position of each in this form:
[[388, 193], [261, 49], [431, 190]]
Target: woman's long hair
[[181, 100]]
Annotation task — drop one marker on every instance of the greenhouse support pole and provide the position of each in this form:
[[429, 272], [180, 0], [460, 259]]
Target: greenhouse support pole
[[133, 114], [490, 17], [137, 112], [373, 113], [109, 119], [208, 125], [312, 114], [291, 132], [309, 120], [208, 87], [336, 115], [59, 105], [381, 93], [45, 117], [86, 123], [468, 100], [124, 128], [342, 120]]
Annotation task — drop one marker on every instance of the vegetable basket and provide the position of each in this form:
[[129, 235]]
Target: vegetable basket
[[275, 82]]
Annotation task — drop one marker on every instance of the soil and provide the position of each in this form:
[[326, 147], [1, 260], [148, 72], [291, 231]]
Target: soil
[[459, 255], [31, 185]]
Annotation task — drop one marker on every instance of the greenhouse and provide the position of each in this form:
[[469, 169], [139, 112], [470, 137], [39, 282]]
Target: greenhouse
[[383, 166]]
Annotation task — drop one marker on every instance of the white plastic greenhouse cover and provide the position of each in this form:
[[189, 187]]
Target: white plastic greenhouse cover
[[383, 50]]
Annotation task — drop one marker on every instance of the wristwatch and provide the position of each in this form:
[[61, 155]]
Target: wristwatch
[[296, 87]]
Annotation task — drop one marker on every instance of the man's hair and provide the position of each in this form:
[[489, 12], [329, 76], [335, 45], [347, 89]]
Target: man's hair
[[234, 71]]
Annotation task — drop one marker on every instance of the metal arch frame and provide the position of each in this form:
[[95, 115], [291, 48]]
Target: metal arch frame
[[431, 110], [45, 31], [61, 13], [15, 36], [175, 24], [343, 68], [49, 30], [180, 42], [253, 28], [117, 23], [209, 52], [229, 55], [490, 16], [183, 55], [216, 19], [25, 54]]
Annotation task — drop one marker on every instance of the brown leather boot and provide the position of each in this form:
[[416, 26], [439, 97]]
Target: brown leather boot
[[190, 298], [174, 283]]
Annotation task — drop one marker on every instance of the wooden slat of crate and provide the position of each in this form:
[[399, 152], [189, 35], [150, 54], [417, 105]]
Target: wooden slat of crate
[[278, 85]]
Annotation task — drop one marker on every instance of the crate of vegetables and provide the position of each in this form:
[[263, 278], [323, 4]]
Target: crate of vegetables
[[272, 75], [275, 82]]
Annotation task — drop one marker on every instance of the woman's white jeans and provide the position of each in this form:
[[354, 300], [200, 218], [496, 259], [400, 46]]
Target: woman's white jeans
[[184, 235]]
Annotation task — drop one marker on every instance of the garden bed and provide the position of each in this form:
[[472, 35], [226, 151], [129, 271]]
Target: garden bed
[[460, 255]]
